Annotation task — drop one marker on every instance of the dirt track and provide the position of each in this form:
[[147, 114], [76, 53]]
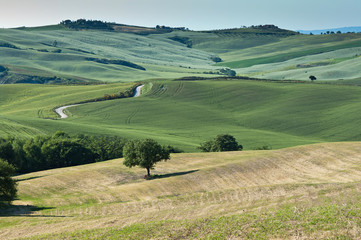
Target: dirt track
[[60, 110]]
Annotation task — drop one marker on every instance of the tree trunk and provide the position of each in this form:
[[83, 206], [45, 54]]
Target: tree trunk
[[148, 171]]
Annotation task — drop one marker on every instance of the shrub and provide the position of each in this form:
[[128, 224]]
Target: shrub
[[264, 147], [221, 143]]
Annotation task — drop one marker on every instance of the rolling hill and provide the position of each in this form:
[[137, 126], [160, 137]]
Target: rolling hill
[[294, 191], [57, 54], [307, 190], [186, 113], [342, 29], [70, 55]]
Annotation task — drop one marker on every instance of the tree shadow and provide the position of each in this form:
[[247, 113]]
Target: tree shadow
[[23, 211], [29, 178], [156, 176]]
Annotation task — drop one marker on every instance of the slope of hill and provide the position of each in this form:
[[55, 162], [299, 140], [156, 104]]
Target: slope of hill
[[186, 113], [274, 57], [56, 54], [23, 105], [253, 194], [96, 55], [334, 65]]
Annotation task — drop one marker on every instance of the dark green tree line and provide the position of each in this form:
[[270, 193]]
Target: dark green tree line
[[59, 150]]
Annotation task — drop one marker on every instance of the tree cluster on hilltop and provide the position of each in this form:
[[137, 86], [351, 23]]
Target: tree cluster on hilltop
[[158, 27], [83, 24]]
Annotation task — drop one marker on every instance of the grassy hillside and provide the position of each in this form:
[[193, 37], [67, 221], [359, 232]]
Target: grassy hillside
[[334, 65], [309, 191], [186, 113], [26, 110], [65, 54], [329, 57], [256, 52], [57, 54]]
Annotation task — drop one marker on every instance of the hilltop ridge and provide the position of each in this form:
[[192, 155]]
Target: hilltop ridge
[[355, 29]]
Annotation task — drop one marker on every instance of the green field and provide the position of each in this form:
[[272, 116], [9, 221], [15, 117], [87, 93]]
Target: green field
[[186, 113], [34, 54], [310, 191]]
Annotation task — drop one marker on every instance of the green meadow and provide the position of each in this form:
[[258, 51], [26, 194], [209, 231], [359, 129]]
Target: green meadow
[[186, 113], [64, 54]]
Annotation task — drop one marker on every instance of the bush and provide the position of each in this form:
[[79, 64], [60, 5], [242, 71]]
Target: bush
[[227, 71], [264, 147], [216, 59], [172, 149], [221, 143]]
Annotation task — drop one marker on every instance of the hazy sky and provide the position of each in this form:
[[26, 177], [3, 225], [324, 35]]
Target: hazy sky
[[194, 14]]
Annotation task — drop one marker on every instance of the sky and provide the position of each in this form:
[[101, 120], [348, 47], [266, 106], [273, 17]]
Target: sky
[[193, 14]]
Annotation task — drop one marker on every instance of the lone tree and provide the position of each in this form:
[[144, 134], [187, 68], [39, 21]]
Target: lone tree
[[144, 153], [312, 78], [7, 184], [221, 143]]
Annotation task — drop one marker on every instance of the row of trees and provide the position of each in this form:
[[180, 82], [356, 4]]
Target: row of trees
[[59, 150], [82, 24]]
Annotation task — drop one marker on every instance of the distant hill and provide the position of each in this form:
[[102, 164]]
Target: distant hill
[[335, 30], [91, 51]]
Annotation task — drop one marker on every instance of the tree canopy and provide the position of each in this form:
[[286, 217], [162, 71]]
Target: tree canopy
[[221, 143], [7, 184], [144, 153], [59, 150], [312, 78]]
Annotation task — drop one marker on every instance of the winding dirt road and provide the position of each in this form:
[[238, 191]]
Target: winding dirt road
[[62, 115]]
